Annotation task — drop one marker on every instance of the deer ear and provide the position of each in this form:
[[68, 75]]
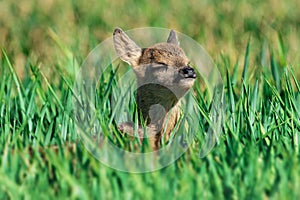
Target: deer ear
[[126, 48], [172, 38]]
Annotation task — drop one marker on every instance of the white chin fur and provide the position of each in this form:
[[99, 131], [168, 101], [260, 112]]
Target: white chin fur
[[188, 82]]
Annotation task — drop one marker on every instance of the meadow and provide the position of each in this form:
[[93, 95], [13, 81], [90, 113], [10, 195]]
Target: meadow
[[253, 43]]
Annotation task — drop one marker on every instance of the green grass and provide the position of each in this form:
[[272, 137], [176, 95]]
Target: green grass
[[258, 152]]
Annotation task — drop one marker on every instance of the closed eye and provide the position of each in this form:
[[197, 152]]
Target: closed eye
[[161, 63], [164, 67]]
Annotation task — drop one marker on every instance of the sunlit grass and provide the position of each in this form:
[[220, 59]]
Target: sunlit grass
[[258, 152]]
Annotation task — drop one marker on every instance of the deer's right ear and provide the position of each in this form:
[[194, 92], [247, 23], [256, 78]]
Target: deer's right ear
[[126, 48]]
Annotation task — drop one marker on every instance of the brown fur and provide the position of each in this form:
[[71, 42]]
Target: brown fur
[[162, 78]]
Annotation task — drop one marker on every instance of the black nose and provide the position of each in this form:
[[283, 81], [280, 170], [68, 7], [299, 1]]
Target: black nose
[[188, 72]]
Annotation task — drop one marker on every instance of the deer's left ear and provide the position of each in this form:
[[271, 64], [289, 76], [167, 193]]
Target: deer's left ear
[[172, 38]]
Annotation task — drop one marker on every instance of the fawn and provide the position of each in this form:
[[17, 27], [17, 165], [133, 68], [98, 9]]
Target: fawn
[[163, 77]]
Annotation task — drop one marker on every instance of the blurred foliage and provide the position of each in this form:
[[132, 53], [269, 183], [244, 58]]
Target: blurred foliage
[[222, 27]]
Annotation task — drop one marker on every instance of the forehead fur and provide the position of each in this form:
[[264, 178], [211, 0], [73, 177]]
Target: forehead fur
[[167, 53]]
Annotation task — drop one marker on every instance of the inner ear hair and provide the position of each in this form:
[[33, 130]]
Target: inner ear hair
[[127, 49]]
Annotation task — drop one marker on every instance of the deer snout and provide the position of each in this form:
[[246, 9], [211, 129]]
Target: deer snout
[[188, 72]]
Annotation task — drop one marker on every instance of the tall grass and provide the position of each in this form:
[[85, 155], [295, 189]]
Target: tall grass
[[257, 156], [258, 152]]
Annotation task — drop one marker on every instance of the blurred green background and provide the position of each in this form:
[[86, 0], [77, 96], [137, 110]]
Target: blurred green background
[[222, 27]]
